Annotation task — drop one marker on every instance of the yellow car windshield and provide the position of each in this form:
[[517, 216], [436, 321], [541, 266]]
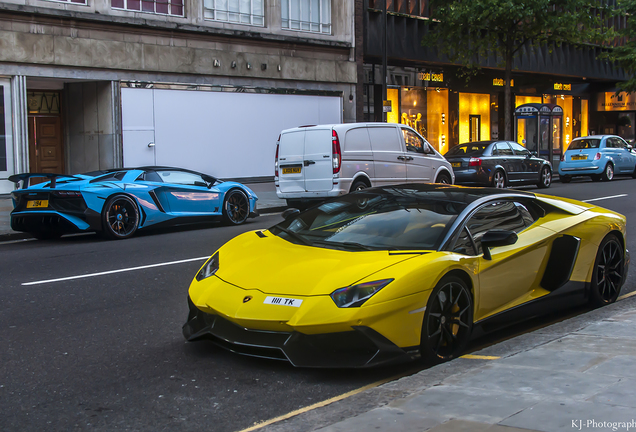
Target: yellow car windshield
[[373, 220]]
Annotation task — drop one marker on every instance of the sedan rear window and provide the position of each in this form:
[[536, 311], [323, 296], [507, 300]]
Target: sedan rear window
[[474, 149], [580, 144]]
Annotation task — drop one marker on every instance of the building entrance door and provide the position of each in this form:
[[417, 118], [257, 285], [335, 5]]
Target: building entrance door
[[46, 145], [475, 128]]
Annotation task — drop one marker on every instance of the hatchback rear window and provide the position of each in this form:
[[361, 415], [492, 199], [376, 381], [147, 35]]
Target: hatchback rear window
[[581, 144], [467, 150]]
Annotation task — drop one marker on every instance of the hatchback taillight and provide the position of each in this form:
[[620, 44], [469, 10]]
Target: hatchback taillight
[[474, 162], [335, 152], [562, 157], [276, 157], [597, 156]]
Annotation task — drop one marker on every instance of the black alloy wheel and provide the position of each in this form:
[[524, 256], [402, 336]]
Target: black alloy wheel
[[545, 179], [120, 217], [565, 179], [499, 179], [236, 207], [608, 173], [609, 268], [358, 185], [448, 321], [443, 178]]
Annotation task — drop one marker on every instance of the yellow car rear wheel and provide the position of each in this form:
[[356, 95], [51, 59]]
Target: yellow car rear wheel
[[448, 320], [609, 267]]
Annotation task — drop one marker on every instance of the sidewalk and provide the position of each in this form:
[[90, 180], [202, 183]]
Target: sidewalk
[[579, 374], [267, 202]]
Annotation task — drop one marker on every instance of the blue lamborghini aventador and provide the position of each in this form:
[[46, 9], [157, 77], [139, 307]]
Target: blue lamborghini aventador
[[119, 202]]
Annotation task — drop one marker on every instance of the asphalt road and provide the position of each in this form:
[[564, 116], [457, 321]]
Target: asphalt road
[[106, 352]]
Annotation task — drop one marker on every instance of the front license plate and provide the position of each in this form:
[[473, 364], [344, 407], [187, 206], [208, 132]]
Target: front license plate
[[283, 301], [292, 170], [457, 164], [37, 203], [579, 157]]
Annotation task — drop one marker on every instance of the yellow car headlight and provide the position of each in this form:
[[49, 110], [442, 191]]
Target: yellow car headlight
[[209, 268], [356, 295]]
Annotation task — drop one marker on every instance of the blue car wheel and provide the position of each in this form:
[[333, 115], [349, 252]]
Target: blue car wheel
[[236, 207], [120, 217]]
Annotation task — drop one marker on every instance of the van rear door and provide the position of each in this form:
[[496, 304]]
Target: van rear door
[[290, 161], [305, 161], [317, 165]]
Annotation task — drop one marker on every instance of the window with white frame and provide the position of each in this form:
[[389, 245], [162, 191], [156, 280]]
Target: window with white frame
[[248, 12], [167, 7], [306, 15], [73, 1]]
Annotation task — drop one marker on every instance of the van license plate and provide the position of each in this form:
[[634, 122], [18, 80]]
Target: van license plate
[[37, 204], [579, 157], [292, 170]]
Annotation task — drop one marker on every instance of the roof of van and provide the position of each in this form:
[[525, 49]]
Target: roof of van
[[341, 126]]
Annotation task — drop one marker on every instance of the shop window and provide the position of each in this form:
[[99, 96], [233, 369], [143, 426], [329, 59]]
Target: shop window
[[392, 95], [474, 117], [521, 100], [249, 12], [438, 119], [584, 118], [165, 7], [413, 108], [306, 15]]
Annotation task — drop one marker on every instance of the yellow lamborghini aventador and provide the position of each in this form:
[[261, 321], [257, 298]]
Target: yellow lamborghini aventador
[[394, 273]]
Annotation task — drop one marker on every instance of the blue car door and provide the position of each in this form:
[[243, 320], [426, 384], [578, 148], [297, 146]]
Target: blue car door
[[628, 160], [188, 194]]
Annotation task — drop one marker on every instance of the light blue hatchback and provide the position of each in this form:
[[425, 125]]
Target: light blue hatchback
[[598, 156]]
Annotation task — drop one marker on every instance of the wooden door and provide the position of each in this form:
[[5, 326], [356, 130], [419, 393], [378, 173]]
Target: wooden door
[[46, 144]]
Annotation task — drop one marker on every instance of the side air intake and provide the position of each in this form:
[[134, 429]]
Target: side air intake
[[561, 262]]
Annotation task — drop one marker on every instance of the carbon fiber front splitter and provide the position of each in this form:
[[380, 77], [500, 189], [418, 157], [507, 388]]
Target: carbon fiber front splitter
[[361, 347]]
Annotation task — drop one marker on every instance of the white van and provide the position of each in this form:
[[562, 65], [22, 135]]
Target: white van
[[318, 162]]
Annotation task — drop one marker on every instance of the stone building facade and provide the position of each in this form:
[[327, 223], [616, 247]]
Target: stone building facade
[[81, 81]]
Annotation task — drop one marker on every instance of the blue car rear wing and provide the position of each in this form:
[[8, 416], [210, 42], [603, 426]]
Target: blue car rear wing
[[24, 178]]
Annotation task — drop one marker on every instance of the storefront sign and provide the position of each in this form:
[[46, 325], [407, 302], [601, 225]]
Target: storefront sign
[[609, 101], [561, 86], [499, 82], [433, 77]]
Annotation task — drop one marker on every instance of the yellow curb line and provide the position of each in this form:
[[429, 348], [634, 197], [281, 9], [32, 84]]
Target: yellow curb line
[[627, 295], [316, 405], [479, 357]]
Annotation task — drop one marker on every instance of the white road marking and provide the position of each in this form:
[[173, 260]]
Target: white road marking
[[604, 198], [115, 271]]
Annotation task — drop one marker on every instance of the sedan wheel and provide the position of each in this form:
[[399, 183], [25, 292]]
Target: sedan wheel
[[499, 179], [609, 268], [608, 174], [120, 217], [546, 178], [448, 320], [236, 207]]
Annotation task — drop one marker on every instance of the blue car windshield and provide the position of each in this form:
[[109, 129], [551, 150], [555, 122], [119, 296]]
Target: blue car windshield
[[370, 220], [587, 143]]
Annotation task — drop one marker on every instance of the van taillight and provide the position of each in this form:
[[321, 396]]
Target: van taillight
[[597, 156], [276, 157], [335, 152], [474, 162]]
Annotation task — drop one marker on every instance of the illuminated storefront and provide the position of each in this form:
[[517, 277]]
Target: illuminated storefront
[[616, 114]]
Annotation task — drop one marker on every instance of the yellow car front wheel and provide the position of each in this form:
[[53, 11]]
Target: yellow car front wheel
[[607, 277], [448, 321]]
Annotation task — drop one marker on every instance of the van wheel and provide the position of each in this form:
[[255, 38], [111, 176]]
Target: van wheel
[[358, 185], [443, 178]]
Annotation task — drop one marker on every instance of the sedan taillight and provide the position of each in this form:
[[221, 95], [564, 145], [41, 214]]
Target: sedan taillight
[[474, 162], [597, 156]]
